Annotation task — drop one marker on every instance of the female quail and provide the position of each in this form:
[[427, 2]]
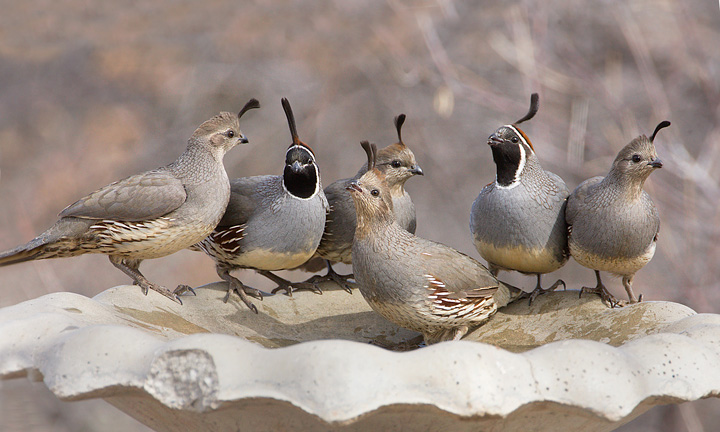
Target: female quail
[[271, 222], [613, 224], [416, 283], [397, 163], [518, 221], [148, 215]]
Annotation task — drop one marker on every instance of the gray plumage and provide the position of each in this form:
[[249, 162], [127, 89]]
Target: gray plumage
[[417, 283], [397, 163], [148, 215], [613, 222], [518, 221], [271, 222]]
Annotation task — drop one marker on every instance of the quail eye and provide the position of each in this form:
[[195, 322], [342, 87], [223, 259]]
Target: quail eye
[[396, 164], [374, 192], [514, 139], [230, 133], [636, 158]]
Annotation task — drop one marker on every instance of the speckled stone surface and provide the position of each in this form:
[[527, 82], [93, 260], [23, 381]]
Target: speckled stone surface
[[317, 362]]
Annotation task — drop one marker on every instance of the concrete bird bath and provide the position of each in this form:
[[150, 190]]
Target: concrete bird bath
[[327, 362]]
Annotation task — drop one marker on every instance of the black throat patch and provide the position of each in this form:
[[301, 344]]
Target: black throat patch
[[300, 176], [508, 158]]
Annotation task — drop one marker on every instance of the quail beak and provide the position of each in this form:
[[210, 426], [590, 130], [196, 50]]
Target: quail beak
[[494, 140], [353, 187], [657, 163], [296, 166], [416, 170]]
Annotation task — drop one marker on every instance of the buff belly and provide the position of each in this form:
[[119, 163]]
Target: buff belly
[[263, 259], [524, 260], [624, 266]]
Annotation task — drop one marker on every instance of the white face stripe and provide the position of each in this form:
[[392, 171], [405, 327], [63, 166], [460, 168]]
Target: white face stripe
[[521, 165], [308, 149], [521, 136]]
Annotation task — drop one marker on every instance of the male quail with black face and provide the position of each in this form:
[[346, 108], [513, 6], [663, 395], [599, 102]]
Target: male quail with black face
[[518, 221], [271, 222], [148, 215], [613, 223], [397, 163], [417, 283]]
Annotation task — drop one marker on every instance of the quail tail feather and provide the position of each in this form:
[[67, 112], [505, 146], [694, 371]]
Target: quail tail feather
[[20, 254], [62, 240]]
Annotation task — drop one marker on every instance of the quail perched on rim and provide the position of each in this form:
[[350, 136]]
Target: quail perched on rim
[[417, 283], [148, 215], [397, 163], [613, 224], [518, 221], [272, 222]]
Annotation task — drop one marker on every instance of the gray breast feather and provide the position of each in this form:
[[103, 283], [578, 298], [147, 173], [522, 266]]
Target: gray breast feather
[[272, 220], [578, 196], [604, 223], [247, 194]]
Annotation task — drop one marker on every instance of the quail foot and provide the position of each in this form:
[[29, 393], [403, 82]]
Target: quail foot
[[272, 222], [397, 163], [148, 215], [518, 221], [417, 283], [613, 224]]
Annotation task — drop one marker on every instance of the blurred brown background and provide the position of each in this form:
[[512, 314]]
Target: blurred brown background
[[91, 92]]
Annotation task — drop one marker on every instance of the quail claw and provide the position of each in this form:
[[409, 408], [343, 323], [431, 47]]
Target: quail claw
[[172, 295], [604, 294], [538, 291], [242, 291], [182, 289], [288, 286], [332, 275]]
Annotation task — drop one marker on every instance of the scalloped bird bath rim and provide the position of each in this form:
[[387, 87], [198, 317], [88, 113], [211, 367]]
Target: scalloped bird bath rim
[[304, 363]]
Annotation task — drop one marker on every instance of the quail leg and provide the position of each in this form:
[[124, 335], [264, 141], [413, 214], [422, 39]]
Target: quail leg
[[332, 275], [131, 268], [602, 292], [539, 290], [240, 288], [627, 283], [288, 286]]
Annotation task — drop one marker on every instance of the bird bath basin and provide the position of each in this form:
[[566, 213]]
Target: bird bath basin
[[327, 362]]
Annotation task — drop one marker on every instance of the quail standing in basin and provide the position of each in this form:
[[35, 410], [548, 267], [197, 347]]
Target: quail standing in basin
[[148, 215], [518, 221], [417, 283], [613, 224], [272, 222], [397, 163]]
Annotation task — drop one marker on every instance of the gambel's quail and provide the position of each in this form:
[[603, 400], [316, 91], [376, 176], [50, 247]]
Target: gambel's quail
[[613, 223], [148, 215], [273, 222], [518, 221], [417, 283], [397, 163]]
